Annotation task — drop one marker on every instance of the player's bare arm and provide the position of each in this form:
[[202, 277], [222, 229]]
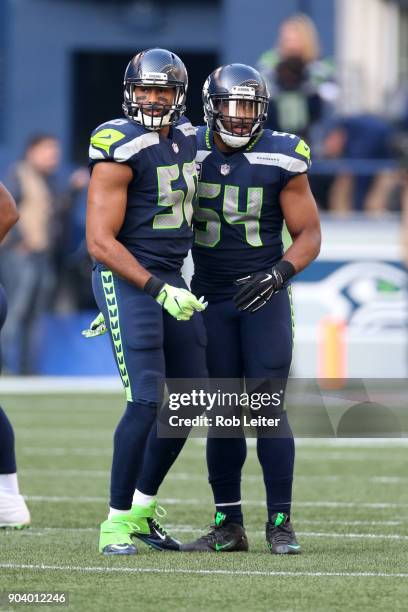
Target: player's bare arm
[[107, 199], [302, 220], [8, 211]]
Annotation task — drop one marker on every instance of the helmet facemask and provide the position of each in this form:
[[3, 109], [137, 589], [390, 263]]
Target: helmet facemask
[[236, 117], [153, 116]]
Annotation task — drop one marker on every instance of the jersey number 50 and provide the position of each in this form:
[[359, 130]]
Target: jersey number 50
[[211, 235], [181, 202]]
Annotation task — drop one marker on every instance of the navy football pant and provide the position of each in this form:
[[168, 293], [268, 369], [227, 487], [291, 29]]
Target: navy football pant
[[254, 346], [7, 453], [149, 346]]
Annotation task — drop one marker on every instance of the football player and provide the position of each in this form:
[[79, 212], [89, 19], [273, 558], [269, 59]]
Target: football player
[[13, 510], [140, 205], [250, 181]]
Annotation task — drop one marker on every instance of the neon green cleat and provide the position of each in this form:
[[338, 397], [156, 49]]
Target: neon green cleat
[[14, 513], [116, 535], [149, 529]]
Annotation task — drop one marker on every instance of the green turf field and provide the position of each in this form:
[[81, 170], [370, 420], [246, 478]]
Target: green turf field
[[350, 513]]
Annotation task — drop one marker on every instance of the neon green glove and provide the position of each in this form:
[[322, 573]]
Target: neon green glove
[[180, 303], [96, 328]]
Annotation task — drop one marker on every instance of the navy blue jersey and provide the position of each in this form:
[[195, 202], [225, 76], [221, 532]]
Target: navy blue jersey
[[157, 225], [237, 217]]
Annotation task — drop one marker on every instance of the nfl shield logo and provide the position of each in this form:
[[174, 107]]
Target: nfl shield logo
[[199, 166], [175, 147], [225, 169]]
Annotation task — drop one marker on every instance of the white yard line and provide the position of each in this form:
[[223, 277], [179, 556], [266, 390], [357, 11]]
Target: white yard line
[[46, 472], [103, 451], [194, 530], [154, 570], [60, 432], [62, 451], [191, 528], [186, 476], [60, 384], [363, 455], [351, 442], [349, 523], [200, 502], [363, 536], [194, 454]]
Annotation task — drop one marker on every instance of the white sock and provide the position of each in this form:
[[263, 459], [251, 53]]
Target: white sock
[[140, 499], [115, 512], [9, 484]]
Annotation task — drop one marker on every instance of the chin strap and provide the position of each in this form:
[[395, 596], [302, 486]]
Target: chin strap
[[146, 120], [234, 141]]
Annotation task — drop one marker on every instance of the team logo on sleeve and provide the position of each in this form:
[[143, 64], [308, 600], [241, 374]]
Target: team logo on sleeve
[[175, 147], [225, 169], [303, 149], [105, 138]]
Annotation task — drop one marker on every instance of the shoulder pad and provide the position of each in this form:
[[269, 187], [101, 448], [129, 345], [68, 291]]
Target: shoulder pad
[[119, 140], [290, 142], [281, 149], [184, 125]]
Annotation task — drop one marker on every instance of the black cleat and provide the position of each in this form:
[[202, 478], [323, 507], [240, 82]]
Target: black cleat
[[158, 537], [280, 535], [149, 530], [223, 537]]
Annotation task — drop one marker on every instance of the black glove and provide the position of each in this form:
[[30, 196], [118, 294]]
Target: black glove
[[256, 289]]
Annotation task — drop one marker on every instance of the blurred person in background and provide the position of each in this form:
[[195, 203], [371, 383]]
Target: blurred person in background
[[27, 258], [397, 113], [13, 510], [361, 137], [298, 38], [295, 104], [73, 292]]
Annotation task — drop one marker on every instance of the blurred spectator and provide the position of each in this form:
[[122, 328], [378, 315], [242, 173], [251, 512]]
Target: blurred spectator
[[27, 258], [77, 263], [359, 139], [295, 105], [397, 111], [298, 38]]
